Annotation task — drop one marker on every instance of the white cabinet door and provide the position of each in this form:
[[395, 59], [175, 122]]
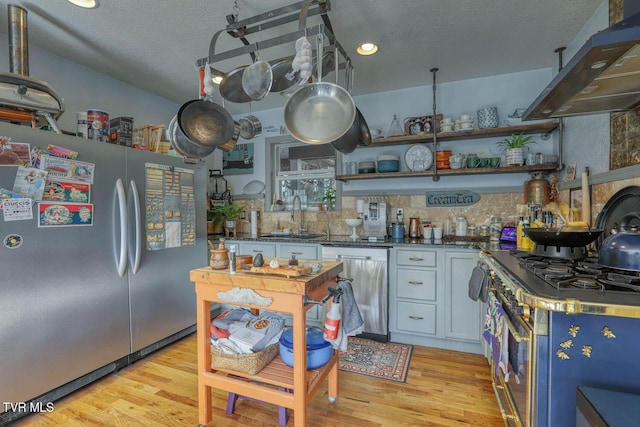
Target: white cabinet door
[[462, 314]]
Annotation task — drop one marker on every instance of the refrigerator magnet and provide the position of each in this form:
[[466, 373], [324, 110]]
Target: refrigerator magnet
[[64, 214], [12, 241]]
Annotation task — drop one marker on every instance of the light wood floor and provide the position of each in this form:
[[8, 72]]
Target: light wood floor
[[443, 388]]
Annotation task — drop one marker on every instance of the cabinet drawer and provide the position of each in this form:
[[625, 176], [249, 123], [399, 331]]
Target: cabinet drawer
[[416, 258], [300, 251], [416, 284], [420, 318], [253, 248]]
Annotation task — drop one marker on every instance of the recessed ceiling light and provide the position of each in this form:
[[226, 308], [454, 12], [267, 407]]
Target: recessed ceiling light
[[87, 4], [367, 48]]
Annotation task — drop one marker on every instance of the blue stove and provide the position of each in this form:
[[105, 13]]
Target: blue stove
[[570, 323]]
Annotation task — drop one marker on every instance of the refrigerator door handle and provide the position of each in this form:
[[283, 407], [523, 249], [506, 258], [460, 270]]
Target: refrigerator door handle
[[121, 264], [136, 206]]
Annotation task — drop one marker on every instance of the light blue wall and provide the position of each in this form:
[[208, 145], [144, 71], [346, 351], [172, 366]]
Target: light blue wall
[[83, 89]]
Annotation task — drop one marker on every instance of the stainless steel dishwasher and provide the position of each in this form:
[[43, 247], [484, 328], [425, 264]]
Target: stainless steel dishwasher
[[367, 267]]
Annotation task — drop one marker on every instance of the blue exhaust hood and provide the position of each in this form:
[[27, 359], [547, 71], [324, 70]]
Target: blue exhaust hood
[[603, 76]]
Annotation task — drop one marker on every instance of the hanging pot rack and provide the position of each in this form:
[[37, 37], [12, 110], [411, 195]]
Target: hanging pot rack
[[300, 11]]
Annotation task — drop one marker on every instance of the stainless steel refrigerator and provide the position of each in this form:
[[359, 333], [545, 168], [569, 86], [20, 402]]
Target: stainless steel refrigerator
[[77, 302]]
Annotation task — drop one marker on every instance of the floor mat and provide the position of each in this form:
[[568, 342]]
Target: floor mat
[[388, 361]]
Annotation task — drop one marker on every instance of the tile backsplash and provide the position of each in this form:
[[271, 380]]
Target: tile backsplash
[[414, 206]]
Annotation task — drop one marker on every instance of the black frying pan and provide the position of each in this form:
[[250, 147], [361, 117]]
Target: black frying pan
[[205, 123], [563, 236]]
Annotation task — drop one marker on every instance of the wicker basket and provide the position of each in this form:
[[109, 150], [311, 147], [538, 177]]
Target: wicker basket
[[246, 363]]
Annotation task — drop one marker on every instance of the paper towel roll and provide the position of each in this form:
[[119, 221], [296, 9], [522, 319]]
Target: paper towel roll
[[254, 224], [359, 206]]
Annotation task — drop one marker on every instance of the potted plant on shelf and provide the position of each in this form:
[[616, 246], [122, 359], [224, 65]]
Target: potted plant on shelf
[[227, 214], [514, 148]]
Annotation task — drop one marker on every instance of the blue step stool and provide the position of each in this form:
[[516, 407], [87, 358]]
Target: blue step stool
[[283, 417]]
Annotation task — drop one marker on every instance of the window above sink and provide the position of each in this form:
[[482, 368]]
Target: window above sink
[[298, 169]]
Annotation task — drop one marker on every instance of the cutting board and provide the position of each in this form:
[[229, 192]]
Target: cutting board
[[283, 270]]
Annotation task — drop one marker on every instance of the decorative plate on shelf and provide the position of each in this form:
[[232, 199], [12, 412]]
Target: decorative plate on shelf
[[418, 157]]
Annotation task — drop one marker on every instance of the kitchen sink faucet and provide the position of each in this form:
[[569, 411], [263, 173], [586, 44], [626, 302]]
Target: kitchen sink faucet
[[293, 211]]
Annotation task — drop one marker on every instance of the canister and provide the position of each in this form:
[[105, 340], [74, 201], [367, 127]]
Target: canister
[[98, 125], [397, 230], [461, 226], [81, 129]]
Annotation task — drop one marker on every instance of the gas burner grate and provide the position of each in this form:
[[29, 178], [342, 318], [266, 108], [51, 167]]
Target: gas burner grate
[[578, 274], [581, 282]]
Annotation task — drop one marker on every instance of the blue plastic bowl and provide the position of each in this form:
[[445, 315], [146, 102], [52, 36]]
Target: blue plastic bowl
[[388, 165], [318, 350]]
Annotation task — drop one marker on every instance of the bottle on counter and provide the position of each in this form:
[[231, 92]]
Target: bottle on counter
[[527, 243], [495, 228], [232, 259], [519, 233]]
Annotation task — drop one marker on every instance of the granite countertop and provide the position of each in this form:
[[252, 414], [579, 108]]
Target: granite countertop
[[346, 241]]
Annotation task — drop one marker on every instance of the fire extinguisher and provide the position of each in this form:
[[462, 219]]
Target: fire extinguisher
[[332, 329]]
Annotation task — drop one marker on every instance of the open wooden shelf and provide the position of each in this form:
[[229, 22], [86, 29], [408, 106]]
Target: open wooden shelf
[[451, 172], [464, 134]]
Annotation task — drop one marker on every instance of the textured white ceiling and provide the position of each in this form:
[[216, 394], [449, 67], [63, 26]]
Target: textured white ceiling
[[153, 44]]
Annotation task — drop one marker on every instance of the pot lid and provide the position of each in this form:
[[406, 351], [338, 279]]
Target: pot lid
[[315, 338], [282, 70], [231, 86]]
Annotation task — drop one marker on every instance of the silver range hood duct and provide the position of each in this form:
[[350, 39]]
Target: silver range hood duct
[[603, 76], [22, 98]]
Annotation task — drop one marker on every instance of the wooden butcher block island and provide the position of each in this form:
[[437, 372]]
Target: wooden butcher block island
[[262, 291]]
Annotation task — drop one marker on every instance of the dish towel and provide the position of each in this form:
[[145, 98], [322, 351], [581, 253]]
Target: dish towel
[[517, 355], [351, 323], [494, 332], [478, 284]]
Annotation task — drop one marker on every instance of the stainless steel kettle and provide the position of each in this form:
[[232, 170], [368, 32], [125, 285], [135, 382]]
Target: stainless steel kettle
[[622, 249]]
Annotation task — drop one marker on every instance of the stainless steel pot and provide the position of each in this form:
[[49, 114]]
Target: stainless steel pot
[[250, 126], [622, 249], [228, 146], [205, 123], [319, 112]]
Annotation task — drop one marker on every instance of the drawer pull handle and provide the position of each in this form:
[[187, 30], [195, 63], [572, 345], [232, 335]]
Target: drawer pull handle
[[416, 259], [413, 282], [416, 317]]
